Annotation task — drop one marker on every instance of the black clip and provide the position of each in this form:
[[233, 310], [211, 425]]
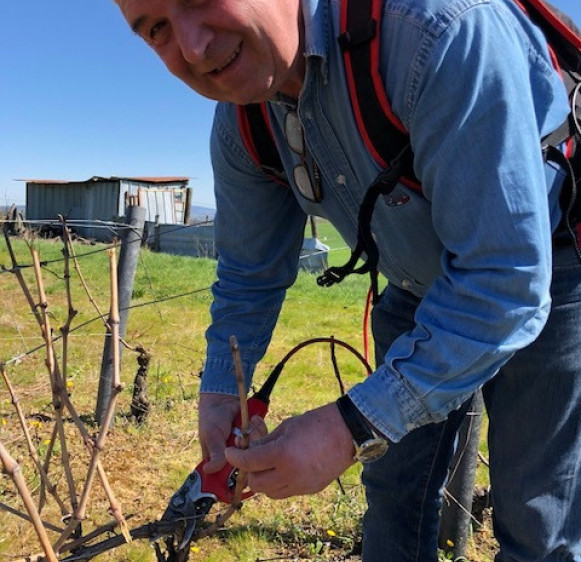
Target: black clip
[[357, 36]]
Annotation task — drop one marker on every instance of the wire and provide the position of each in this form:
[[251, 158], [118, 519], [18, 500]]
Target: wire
[[96, 318], [575, 95], [266, 389], [76, 222], [332, 340], [4, 269], [144, 240], [165, 299]]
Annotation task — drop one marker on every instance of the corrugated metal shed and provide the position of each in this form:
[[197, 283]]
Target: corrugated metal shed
[[166, 199]]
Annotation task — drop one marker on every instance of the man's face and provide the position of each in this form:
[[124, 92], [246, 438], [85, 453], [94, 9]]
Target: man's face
[[238, 51]]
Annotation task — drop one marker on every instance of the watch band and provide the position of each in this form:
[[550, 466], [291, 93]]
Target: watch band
[[353, 418], [369, 446]]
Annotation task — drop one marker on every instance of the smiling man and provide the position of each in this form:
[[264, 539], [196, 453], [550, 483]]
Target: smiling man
[[484, 273], [214, 47]]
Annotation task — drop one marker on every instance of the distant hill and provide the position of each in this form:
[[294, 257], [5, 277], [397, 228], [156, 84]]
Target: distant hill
[[200, 213]]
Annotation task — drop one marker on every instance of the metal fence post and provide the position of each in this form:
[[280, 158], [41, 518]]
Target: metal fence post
[[128, 256], [456, 516], [156, 235]]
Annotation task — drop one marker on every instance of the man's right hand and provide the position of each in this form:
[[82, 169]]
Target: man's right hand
[[216, 413]]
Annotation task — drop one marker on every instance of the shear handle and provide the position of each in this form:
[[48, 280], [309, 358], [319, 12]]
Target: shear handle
[[222, 483]]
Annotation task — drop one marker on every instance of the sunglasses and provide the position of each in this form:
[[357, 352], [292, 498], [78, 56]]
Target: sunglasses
[[310, 187]]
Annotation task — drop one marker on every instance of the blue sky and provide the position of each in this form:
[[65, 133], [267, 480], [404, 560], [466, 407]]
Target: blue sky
[[81, 96]]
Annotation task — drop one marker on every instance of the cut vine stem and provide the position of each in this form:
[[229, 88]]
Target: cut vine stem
[[12, 468]]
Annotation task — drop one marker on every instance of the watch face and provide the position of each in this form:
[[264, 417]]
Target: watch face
[[371, 450]]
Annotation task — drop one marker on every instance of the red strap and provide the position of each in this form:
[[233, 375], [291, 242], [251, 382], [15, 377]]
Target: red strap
[[257, 136], [382, 132], [556, 22]]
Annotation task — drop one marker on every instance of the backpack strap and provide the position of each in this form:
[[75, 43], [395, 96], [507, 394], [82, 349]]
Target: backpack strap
[[383, 184], [561, 32], [359, 39], [258, 139], [564, 40], [383, 133]]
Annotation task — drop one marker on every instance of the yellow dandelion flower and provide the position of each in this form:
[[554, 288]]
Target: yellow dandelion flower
[[70, 384], [3, 421], [331, 533], [194, 549], [46, 442], [449, 543]]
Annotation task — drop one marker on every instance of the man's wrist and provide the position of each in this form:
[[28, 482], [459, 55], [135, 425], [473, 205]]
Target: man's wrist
[[369, 445]]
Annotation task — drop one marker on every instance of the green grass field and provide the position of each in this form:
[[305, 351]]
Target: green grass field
[[145, 464]]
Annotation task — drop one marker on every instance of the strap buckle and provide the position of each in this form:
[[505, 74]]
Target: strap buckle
[[357, 36]]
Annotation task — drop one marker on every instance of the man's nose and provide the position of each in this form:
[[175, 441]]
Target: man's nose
[[193, 39]]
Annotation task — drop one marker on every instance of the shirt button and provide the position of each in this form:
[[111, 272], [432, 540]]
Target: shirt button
[[341, 180], [406, 283]]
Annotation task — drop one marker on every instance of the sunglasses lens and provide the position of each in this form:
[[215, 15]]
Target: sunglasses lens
[[296, 141], [294, 133], [303, 182]]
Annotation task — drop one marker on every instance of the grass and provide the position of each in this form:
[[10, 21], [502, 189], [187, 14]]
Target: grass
[[146, 464]]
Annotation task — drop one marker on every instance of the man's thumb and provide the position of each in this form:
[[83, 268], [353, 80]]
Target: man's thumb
[[216, 461], [238, 458]]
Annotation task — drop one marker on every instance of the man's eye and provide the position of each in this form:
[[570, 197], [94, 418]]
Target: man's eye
[[156, 30]]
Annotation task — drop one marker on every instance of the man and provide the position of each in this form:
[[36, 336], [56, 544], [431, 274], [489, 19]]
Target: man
[[483, 290]]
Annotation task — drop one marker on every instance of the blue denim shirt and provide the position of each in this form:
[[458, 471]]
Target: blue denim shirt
[[473, 84]]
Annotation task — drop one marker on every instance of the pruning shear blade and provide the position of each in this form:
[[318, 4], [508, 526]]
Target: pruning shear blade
[[188, 505]]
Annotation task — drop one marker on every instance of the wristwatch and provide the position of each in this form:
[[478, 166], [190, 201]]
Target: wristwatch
[[369, 446]]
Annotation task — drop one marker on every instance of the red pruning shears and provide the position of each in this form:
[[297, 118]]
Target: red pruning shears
[[200, 491]]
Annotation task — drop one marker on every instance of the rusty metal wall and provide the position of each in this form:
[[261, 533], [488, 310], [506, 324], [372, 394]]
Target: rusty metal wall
[[167, 203]]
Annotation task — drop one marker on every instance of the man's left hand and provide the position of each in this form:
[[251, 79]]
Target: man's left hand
[[301, 456]]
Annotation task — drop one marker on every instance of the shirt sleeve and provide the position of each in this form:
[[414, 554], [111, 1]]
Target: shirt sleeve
[[259, 228], [479, 95]]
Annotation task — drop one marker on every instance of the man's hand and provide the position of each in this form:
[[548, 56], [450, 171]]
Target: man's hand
[[216, 415], [301, 456]]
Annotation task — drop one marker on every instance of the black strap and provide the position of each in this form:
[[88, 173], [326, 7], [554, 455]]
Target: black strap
[[354, 419], [377, 124], [259, 142], [383, 184], [561, 134], [569, 194], [564, 38], [559, 29]]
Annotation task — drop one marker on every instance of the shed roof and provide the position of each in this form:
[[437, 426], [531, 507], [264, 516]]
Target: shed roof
[[144, 179]]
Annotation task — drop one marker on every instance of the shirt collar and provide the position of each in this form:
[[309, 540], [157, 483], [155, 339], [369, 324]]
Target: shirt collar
[[316, 18]]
